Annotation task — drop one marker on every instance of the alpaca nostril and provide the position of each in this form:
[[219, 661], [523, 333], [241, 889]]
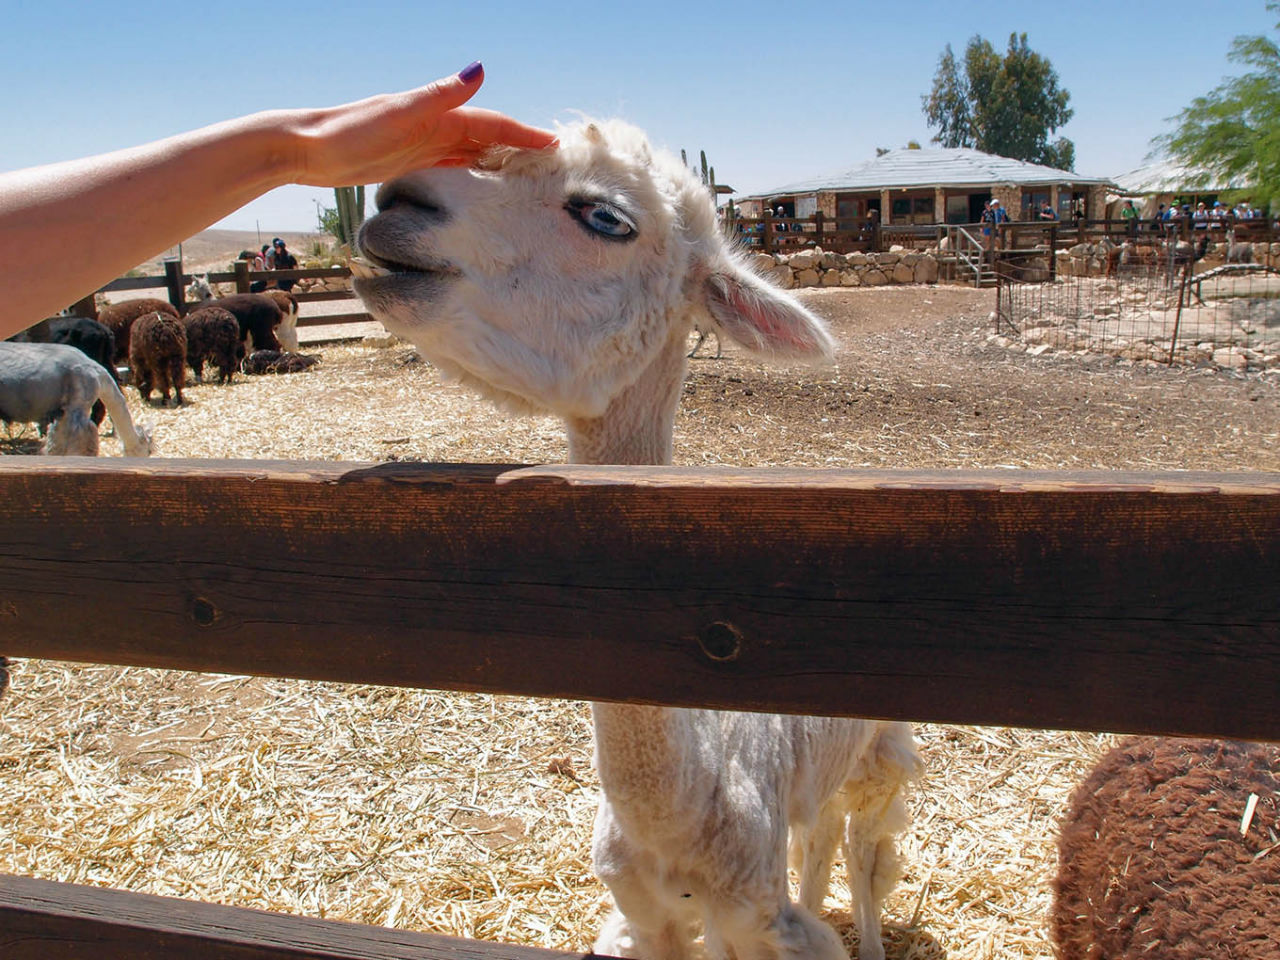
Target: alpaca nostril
[[409, 193]]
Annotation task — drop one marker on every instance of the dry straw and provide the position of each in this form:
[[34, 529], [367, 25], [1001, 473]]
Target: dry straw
[[470, 814]]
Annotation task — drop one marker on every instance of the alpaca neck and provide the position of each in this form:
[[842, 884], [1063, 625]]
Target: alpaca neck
[[636, 744], [636, 427]]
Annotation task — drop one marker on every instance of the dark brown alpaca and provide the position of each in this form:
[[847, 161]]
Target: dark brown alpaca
[[158, 355], [120, 317], [213, 335]]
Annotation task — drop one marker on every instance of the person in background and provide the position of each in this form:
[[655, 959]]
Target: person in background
[[284, 260], [161, 193], [1129, 214], [1046, 212]]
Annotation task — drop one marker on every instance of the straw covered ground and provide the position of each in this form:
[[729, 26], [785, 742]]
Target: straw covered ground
[[471, 815]]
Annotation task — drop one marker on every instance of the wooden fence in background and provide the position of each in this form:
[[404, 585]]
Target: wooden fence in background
[[174, 282], [1100, 601]]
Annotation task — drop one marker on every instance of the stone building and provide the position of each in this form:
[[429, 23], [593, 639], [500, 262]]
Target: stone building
[[935, 186]]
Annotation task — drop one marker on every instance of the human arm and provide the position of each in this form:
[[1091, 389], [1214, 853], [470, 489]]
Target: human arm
[[68, 228]]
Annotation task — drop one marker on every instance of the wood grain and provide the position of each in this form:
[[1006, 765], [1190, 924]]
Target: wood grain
[[1099, 601], [40, 920]]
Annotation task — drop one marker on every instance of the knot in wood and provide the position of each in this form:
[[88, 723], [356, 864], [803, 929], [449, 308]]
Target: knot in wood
[[720, 640], [203, 612]]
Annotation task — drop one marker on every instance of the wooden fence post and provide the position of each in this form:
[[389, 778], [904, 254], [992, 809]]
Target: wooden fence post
[[767, 236], [241, 268], [1053, 251], [817, 225], [85, 307], [173, 280]]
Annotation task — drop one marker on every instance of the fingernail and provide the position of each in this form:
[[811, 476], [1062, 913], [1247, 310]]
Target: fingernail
[[470, 72]]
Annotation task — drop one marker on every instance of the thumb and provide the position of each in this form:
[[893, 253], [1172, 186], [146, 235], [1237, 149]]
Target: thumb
[[452, 92]]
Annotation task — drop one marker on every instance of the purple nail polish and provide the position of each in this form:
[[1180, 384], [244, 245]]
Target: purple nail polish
[[470, 72]]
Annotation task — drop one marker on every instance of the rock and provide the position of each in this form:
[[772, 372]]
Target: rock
[[856, 259], [874, 278], [1231, 358], [806, 278], [763, 263], [1039, 351], [887, 259], [850, 278], [781, 276], [926, 270], [830, 278], [830, 261], [805, 260], [380, 341], [902, 273]]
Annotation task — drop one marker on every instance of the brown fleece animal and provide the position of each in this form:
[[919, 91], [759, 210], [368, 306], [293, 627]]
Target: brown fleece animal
[[1152, 862], [278, 361], [158, 355], [257, 314], [120, 317], [213, 334]]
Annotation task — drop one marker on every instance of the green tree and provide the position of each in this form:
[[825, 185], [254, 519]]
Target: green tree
[[1008, 105], [1233, 131]]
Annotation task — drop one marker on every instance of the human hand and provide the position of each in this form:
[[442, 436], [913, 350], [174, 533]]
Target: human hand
[[374, 140]]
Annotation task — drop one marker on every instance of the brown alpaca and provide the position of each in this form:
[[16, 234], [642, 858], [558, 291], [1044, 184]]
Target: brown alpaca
[[279, 361], [120, 317], [158, 354], [1152, 862], [213, 334]]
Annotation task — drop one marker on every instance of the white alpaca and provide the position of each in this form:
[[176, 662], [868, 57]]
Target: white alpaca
[[569, 281], [56, 383]]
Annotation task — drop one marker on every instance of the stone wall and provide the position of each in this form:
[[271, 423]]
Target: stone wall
[[820, 268], [1090, 259]]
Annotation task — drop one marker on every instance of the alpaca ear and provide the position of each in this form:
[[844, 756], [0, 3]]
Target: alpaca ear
[[757, 315]]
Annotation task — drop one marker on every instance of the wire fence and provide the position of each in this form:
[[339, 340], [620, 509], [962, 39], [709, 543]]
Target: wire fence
[[1168, 303]]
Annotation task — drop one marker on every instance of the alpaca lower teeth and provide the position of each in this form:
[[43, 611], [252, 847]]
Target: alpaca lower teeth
[[360, 267]]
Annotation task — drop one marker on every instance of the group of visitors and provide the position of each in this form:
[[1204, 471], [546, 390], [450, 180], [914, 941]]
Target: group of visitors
[[272, 256], [1203, 217], [994, 216]]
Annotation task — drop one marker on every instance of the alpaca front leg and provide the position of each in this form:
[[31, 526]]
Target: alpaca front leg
[[792, 934], [619, 938], [646, 922]]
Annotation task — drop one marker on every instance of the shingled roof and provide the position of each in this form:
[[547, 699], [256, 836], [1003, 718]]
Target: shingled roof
[[946, 167]]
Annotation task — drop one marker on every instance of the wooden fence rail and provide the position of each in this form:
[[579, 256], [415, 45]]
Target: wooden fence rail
[[1085, 601], [1094, 601], [175, 280]]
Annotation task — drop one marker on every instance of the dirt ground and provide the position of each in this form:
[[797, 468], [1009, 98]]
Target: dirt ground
[[471, 815]]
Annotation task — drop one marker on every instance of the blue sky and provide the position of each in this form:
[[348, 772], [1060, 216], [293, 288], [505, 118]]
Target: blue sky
[[773, 92]]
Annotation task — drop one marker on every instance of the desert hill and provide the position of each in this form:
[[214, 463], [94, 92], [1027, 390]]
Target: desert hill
[[215, 249]]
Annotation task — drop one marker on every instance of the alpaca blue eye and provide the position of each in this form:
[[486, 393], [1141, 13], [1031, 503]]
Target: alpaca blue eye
[[602, 218]]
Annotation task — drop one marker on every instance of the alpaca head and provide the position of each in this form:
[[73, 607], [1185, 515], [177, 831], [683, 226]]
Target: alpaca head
[[199, 289], [555, 280]]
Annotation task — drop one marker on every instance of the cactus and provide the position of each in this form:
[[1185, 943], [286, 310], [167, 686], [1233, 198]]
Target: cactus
[[707, 173], [350, 202]]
